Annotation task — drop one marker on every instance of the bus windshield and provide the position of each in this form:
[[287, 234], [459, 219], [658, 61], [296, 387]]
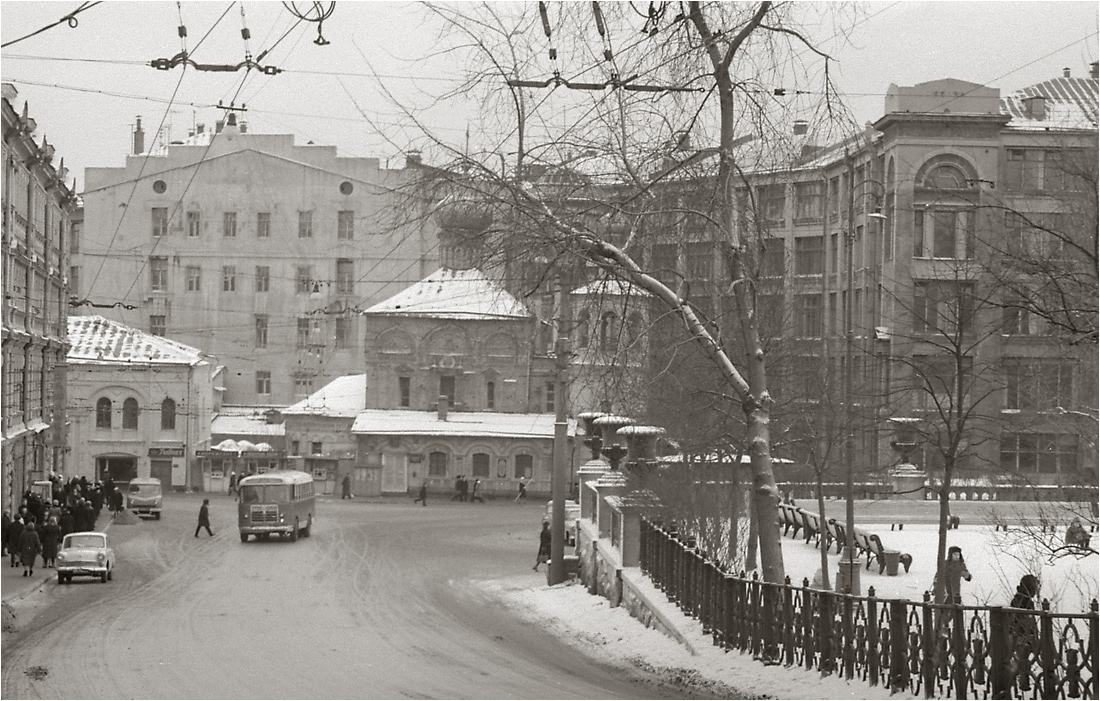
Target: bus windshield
[[145, 488], [265, 493]]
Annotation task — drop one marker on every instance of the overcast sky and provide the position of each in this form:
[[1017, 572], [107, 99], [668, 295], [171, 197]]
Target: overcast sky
[[86, 105]]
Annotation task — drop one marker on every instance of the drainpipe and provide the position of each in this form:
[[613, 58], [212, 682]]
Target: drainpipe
[[187, 433]]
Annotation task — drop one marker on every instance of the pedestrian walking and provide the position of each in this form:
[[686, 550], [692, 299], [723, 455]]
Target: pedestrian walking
[[67, 524], [232, 483], [954, 571], [464, 488], [15, 532], [422, 495], [1023, 632], [522, 491], [346, 487], [29, 547], [475, 492], [457, 496], [204, 518], [544, 546], [51, 536]]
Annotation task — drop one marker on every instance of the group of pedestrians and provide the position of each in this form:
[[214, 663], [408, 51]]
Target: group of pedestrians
[[464, 491]]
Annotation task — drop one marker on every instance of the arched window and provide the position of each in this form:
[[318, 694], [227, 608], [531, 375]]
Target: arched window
[[633, 327], [437, 464], [481, 465], [168, 414], [130, 413], [608, 331], [582, 329], [490, 397], [946, 177], [103, 413]]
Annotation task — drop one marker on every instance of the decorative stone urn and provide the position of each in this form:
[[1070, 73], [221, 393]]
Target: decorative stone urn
[[909, 481], [641, 443]]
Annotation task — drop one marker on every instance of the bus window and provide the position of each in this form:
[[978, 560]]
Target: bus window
[[250, 495]]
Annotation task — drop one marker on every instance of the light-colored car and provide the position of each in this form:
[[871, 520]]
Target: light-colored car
[[85, 554], [144, 496], [572, 513]]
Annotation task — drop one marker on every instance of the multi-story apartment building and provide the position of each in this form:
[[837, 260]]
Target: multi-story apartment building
[[902, 274], [255, 249], [35, 254]]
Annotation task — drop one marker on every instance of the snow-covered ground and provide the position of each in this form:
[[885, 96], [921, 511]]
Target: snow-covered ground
[[995, 562]]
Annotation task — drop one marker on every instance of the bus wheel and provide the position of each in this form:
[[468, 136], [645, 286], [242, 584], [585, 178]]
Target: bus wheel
[[294, 532], [244, 537], [309, 526]]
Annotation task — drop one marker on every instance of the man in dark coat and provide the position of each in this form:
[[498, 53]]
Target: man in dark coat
[[29, 547], [204, 518], [15, 532], [67, 524], [345, 487], [6, 523], [51, 536], [544, 545]]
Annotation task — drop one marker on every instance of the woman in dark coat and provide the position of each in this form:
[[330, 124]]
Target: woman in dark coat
[[545, 538], [29, 547], [51, 536], [15, 531], [1023, 636], [67, 524]]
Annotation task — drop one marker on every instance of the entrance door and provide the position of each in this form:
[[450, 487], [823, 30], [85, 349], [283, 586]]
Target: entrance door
[[120, 469], [395, 473], [162, 470]]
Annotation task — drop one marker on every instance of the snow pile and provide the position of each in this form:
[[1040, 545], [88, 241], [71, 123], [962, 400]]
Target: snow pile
[[612, 636]]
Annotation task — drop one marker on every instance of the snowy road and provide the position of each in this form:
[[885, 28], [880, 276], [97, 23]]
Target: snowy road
[[379, 603]]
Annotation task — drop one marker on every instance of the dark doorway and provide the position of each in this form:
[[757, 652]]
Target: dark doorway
[[162, 470], [120, 469]]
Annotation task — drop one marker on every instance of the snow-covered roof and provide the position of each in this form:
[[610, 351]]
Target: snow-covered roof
[[474, 424], [94, 340], [608, 286], [343, 397], [1071, 103], [245, 421], [453, 294]]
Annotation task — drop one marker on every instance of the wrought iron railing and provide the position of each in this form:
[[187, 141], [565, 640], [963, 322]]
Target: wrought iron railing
[[933, 650]]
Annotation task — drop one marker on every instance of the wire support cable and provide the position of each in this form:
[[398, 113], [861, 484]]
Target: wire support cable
[[69, 18]]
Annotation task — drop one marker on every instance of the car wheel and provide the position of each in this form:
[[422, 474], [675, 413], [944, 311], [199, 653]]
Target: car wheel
[[309, 527], [110, 574], [157, 515], [103, 577], [60, 578], [244, 537], [294, 532]]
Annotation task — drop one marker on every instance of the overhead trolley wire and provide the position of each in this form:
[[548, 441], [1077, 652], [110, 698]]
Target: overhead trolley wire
[[70, 18]]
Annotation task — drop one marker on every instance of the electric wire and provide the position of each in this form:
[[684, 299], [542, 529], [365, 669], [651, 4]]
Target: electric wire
[[69, 18]]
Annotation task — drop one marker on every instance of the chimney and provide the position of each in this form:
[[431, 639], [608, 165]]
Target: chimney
[[1094, 70], [801, 126], [244, 127], [1035, 107], [413, 159], [139, 138], [1065, 72], [441, 407]]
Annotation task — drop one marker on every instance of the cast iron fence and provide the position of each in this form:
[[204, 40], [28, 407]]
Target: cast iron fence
[[943, 651]]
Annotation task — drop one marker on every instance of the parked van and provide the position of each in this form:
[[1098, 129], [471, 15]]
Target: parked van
[[144, 497]]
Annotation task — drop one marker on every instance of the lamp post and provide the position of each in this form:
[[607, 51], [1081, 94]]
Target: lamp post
[[847, 579]]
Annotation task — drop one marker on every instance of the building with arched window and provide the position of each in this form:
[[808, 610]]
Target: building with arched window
[[140, 405]]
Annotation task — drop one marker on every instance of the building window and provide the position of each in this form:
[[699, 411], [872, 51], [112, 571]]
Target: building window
[[942, 307], [158, 324], [936, 379], [303, 385], [194, 278], [808, 200], [263, 278], [404, 391], [168, 414], [130, 414], [294, 445], [1025, 169], [1038, 453], [344, 335], [74, 280], [480, 465], [809, 255], [345, 276], [261, 330], [490, 395], [229, 225], [1037, 385], [525, 466], [809, 316], [609, 332], [305, 225], [774, 259], [447, 388], [158, 273], [263, 382], [583, 320], [229, 278], [309, 331], [315, 448], [263, 225], [1016, 320], [103, 413], [194, 224], [943, 233], [773, 200], [160, 222], [550, 392], [437, 464], [303, 279], [345, 225]]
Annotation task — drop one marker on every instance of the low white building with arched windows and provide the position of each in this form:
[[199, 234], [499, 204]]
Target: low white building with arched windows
[[139, 405]]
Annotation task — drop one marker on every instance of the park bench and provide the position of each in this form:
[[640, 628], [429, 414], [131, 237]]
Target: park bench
[[880, 553], [835, 533], [811, 526], [790, 518], [863, 544]]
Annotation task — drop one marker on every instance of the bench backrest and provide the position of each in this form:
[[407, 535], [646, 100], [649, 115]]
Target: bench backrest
[[876, 543]]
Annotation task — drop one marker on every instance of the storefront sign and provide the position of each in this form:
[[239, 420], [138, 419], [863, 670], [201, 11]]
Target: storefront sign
[[166, 452]]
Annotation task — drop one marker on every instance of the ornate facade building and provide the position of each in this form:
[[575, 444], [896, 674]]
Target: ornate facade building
[[35, 254]]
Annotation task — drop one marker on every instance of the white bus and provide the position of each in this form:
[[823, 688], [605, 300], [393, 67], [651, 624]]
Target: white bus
[[276, 502]]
